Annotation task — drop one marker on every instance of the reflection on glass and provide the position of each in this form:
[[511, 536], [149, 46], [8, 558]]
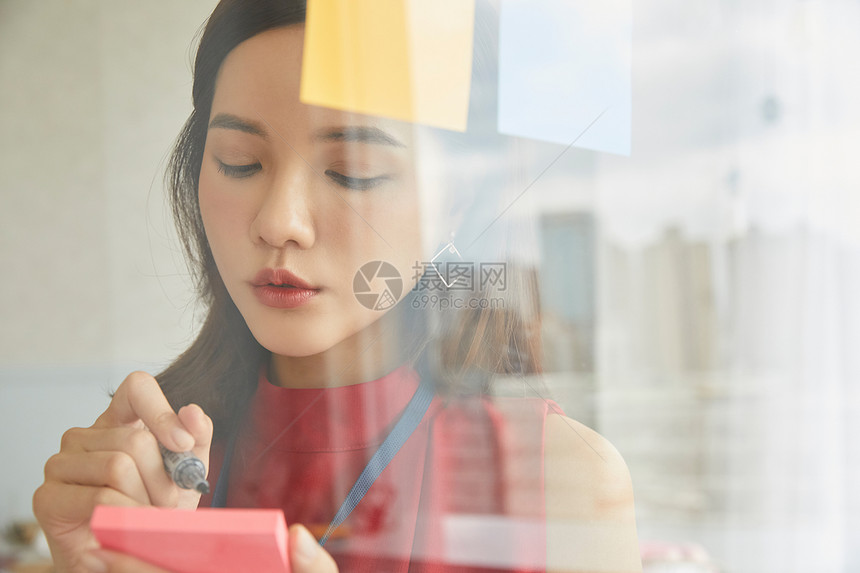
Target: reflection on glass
[[692, 301]]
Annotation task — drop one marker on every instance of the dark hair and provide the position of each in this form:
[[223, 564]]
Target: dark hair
[[220, 369]]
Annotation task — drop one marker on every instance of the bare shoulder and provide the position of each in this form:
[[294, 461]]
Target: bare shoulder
[[585, 476], [591, 524]]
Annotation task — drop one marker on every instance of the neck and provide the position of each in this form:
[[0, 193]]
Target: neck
[[367, 355]]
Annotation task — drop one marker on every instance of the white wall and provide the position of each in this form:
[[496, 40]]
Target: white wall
[[92, 94]]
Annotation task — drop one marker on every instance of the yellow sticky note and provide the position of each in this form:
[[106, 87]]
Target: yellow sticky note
[[405, 59]]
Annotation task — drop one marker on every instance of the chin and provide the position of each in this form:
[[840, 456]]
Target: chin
[[297, 345], [308, 336]]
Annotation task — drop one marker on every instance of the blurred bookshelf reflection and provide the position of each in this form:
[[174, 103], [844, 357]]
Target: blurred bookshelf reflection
[[723, 372]]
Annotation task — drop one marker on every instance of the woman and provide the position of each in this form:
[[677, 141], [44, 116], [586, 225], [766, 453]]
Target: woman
[[289, 212]]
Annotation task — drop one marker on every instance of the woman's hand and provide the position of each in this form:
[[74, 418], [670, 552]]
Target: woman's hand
[[116, 461], [306, 556]]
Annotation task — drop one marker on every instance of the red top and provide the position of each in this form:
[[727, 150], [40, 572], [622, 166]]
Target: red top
[[464, 493]]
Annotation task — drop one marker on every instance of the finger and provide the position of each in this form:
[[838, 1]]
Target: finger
[[200, 426], [104, 561], [139, 397], [61, 503], [116, 470], [306, 555], [142, 447]]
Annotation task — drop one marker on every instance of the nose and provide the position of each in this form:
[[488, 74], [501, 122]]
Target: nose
[[286, 214]]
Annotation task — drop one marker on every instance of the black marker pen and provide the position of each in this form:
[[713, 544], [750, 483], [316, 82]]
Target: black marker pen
[[185, 469]]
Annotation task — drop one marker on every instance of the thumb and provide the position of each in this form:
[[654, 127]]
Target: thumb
[[306, 555]]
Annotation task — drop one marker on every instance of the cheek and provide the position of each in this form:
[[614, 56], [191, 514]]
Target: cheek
[[222, 215], [406, 230], [403, 232], [374, 223]]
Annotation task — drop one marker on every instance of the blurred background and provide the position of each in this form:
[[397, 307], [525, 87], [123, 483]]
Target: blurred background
[[698, 296]]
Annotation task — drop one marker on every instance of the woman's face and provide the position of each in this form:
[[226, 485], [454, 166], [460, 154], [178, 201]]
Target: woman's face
[[315, 191]]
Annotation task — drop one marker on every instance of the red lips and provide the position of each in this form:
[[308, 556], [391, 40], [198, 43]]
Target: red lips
[[281, 289], [281, 277]]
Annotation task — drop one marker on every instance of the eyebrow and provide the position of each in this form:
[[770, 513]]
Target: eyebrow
[[361, 134], [230, 121]]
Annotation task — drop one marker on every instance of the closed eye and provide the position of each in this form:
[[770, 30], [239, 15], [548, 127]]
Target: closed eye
[[357, 183], [238, 171]]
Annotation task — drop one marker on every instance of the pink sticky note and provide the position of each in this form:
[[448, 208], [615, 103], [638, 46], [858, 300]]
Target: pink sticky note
[[201, 541]]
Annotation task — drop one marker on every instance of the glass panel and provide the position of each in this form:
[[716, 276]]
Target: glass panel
[[475, 286]]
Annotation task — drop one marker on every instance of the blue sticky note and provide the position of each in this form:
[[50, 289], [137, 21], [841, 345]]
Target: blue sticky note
[[564, 64]]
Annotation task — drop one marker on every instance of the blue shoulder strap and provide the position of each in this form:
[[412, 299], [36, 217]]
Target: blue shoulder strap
[[412, 416], [405, 426]]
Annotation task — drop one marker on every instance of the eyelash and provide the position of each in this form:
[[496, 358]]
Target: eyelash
[[238, 171], [355, 183]]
